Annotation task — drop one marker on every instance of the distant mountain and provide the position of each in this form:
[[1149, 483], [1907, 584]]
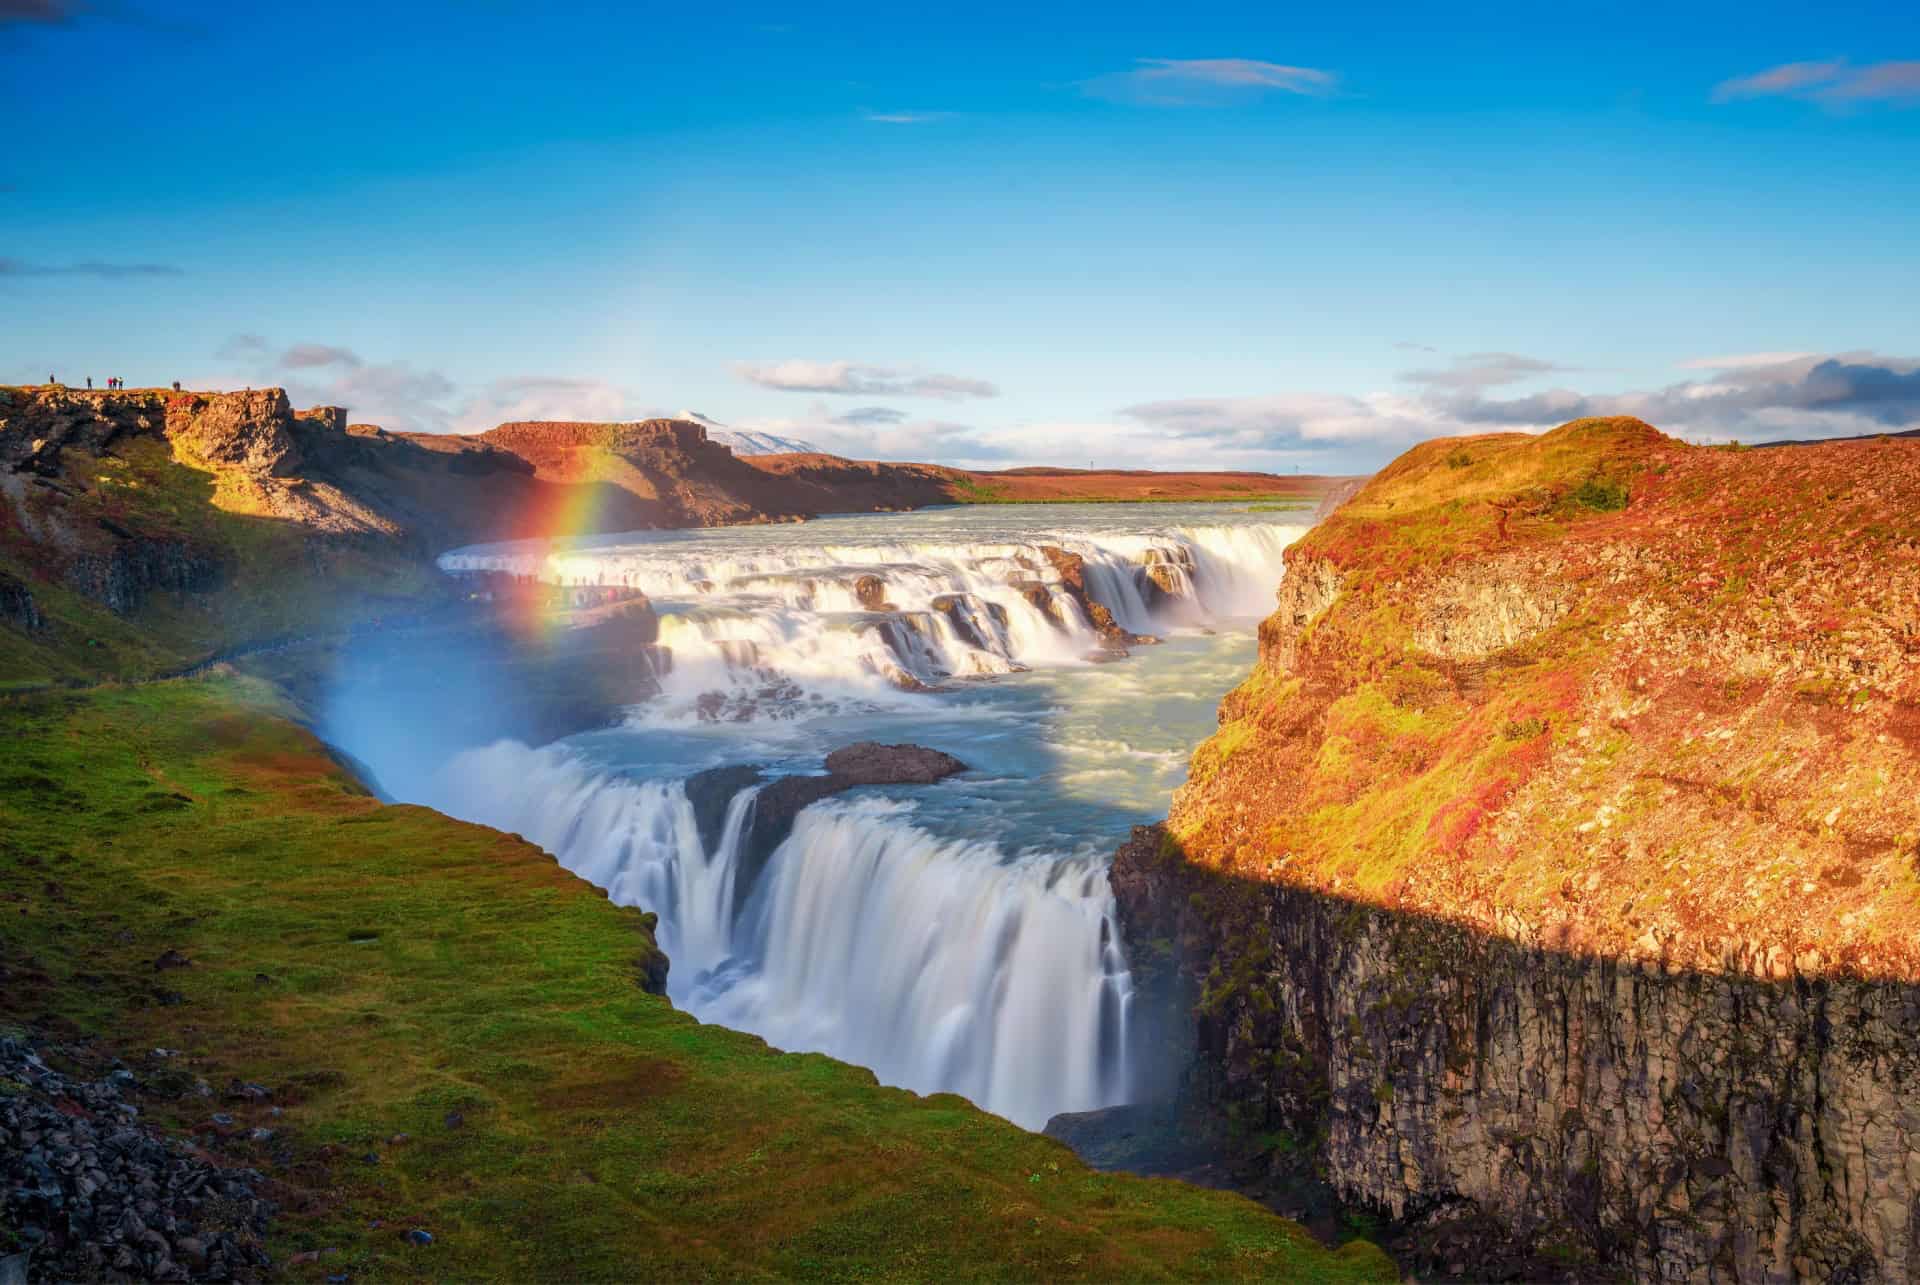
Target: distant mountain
[[744, 443]]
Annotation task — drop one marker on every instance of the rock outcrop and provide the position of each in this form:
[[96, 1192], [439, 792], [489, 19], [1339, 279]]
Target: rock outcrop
[[250, 431], [781, 798], [1556, 865], [17, 607], [871, 763], [121, 576], [1072, 570]]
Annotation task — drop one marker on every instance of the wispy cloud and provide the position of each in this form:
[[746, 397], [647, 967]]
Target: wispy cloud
[[870, 416], [523, 397], [246, 346], [1285, 421], [305, 356], [1834, 83], [1197, 82], [1743, 360], [1483, 370], [86, 268], [924, 440], [906, 118], [851, 378]]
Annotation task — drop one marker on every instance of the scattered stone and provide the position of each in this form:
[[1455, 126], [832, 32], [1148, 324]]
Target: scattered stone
[[170, 959], [455, 1119], [94, 1196]]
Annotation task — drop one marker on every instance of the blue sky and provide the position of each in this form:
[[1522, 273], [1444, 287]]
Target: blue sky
[[1188, 235]]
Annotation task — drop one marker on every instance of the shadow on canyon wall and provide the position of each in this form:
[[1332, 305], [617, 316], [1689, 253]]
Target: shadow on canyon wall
[[1515, 1111]]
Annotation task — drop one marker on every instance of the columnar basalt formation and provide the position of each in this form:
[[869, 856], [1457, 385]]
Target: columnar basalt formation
[[1560, 861]]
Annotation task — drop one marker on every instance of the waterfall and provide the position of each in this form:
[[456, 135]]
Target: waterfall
[[959, 937], [942, 965], [753, 621]]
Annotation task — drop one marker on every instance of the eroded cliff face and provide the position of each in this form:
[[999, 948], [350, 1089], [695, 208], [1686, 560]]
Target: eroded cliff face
[[1561, 859]]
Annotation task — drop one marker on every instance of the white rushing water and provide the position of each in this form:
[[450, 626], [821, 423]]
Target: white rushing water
[[846, 617], [957, 937]]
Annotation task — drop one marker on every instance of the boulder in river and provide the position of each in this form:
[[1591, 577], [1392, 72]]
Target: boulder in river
[[871, 763], [871, 590], [781, 799]]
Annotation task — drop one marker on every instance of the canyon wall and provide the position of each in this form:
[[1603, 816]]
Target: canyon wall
[[1560, 862]]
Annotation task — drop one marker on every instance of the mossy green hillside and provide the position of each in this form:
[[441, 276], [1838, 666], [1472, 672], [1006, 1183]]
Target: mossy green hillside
[[274, 578], [388, 971]]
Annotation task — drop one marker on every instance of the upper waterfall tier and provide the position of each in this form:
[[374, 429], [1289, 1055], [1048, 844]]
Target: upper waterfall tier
[[753, 619]]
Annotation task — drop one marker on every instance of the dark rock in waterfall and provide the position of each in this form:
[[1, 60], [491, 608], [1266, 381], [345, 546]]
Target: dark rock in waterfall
[[1165, 575], [782, 798], [711, 791], [870, 763], [1072, 569], [872, 593], [955, 607]]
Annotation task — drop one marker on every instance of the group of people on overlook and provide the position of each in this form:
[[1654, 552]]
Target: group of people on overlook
[[114, 383]]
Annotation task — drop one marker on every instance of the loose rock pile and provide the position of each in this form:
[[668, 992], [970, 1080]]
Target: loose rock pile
[[92, 1194]]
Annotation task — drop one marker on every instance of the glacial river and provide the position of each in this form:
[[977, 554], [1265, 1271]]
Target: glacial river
[[956, 937]]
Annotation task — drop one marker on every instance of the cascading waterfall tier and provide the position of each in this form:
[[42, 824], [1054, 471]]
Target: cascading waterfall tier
[[940, 964], [769, 623]]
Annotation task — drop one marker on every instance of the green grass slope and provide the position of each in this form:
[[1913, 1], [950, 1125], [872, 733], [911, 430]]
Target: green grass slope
[[382, 968]]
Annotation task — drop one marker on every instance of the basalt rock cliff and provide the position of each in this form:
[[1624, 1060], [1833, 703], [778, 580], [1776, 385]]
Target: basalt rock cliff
[[1559, 864]]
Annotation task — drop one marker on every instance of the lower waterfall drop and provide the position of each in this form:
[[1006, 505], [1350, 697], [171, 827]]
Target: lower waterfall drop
[[941, 965]]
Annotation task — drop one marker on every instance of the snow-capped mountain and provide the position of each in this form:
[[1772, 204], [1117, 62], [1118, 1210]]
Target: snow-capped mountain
[[744, 442]]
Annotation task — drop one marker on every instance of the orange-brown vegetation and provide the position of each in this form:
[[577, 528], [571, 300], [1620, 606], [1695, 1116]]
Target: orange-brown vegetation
[[1597, 691]]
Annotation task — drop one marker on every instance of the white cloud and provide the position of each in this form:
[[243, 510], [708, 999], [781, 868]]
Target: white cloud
[[1833, 82], [1743, 360], [906, 118], [1753, 396], [544, 397], [301, 356], [1194, 82], [851, 378], [1483, 370]]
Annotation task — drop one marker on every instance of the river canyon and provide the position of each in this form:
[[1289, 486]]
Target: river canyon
[[956, 937]]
